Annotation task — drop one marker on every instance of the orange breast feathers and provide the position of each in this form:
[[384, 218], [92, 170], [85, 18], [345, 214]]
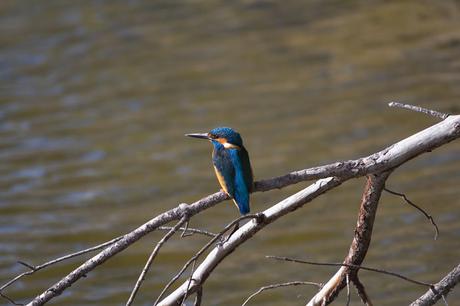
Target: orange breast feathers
[[221, 180]]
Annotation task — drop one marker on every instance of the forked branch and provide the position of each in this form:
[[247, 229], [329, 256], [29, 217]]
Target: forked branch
[[359, 246]]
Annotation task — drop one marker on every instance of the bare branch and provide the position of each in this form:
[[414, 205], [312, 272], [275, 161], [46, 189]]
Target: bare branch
[[152, 257], [189, 231], [440, 289], [199, 295], [274, 286], [388, 158], [348, 290], [361, 290], [34, 269], [356, 267], [10, 299], [444, 300], [419, 109], [429, 217], [184, 232], [125, 241], [189, 282], [25, 264]]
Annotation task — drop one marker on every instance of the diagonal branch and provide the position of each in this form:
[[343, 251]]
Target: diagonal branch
[[125, 241], [10, 299], [440, 289], [388, 158], [199, 295], [361, 290], [34, 269], [348, 290], [419, 109], [189, 231]]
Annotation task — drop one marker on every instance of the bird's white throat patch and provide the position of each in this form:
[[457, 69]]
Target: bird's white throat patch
[[228, 145]]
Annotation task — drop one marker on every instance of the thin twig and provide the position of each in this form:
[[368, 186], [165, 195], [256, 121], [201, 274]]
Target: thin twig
[[10, 299], [348, 289], [351, 266], [34, 269], [419, 109], [295, 283], [440, 289], [184, 232], [190, 231], [429, 217], [25, 264], [361, 290], [444, 300], [189, 282], [152, 257], [199, 295], [200, 252]]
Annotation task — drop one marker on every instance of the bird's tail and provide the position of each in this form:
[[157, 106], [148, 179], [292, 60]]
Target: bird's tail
[[242, 201]]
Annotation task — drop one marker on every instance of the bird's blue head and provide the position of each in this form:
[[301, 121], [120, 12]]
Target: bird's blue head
[[226, 134], [228, 137]]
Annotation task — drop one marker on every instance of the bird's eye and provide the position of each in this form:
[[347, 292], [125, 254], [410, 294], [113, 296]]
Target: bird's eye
[[212, 136]]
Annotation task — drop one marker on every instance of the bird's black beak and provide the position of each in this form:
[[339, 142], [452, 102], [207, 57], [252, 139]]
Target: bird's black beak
[[198, 135]]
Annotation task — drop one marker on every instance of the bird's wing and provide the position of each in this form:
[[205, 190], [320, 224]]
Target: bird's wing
[[241, 194], [247, 169]]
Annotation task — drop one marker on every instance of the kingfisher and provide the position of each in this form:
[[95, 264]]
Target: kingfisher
[[231, 164]]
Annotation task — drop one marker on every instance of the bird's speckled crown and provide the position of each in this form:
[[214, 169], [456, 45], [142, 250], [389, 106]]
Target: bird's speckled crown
[[230, 134]]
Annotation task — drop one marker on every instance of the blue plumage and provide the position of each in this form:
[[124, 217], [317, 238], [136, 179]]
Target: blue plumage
[[241, 188], [232, 165]]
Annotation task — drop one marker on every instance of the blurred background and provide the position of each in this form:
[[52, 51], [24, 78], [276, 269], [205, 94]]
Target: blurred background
[[95, 97]]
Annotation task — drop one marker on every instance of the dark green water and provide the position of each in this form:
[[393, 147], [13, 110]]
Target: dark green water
[[95, 97]]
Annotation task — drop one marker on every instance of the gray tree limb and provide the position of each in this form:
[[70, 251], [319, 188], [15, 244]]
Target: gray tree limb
[[440, 290]]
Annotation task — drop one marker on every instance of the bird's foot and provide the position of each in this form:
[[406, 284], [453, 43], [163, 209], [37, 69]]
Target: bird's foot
[[260, 218]]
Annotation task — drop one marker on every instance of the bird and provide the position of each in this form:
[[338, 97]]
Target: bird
[[231, 164]]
